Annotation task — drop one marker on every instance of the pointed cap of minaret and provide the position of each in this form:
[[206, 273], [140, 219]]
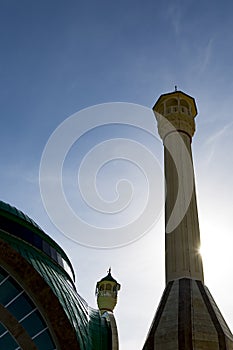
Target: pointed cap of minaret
[[108, 277]]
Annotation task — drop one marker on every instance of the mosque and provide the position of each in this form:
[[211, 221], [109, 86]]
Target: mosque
[[40, 307]]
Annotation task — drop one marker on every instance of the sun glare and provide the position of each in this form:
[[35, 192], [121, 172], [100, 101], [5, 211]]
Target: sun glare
[[215, 252]]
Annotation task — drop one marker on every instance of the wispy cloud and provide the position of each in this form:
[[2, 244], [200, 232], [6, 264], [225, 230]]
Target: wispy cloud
[[174, 15], [213, 140], [217, 135], [205, 56]]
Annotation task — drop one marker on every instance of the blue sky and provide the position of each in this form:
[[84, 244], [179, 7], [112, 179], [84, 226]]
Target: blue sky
[[58, 57]]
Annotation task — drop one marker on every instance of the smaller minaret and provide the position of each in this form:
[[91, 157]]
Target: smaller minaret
[[106, 290]]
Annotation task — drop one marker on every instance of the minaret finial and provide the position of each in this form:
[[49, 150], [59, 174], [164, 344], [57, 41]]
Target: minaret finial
[[175, 87], [109, 271]]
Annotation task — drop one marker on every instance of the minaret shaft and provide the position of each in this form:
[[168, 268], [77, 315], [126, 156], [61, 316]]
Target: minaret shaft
[[182, 240]]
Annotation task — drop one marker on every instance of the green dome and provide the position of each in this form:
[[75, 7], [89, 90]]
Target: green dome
[[18, 230], [11, 216]]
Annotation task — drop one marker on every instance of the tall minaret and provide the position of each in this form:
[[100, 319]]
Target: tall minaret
[[187, 317], [175, 114]]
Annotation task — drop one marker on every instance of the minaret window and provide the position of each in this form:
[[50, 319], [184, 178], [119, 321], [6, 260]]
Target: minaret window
[[108, 286], [171, 106], [185, 107]]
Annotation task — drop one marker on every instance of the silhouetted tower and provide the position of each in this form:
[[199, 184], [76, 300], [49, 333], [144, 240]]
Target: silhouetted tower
[[187, 317]]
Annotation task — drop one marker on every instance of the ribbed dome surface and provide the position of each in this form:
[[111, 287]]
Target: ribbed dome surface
[[14, 211]]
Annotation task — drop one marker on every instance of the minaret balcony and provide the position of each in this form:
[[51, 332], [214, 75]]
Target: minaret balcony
[[107, 293], [177, 109]]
